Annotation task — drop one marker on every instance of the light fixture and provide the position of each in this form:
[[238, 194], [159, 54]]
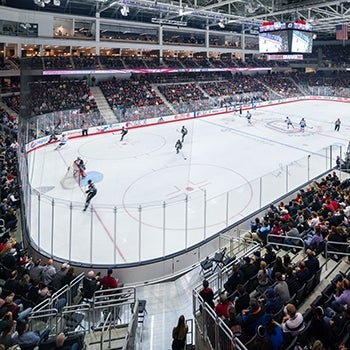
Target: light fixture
[[43, 3], [221, 24], [124, 11]]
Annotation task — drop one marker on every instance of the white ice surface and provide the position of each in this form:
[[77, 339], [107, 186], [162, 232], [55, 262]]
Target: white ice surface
[[223, 153]]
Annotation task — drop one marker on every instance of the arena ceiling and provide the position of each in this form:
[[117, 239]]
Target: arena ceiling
[[231, 15]]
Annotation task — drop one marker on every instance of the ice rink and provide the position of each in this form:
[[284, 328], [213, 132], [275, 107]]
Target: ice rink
[[152, 201]]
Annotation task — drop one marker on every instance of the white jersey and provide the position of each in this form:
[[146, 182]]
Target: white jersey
[[63, 140]]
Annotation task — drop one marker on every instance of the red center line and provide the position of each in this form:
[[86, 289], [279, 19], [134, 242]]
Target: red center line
[[100, 220]]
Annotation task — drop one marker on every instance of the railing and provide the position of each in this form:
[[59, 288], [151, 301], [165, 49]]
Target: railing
[[279, 240], [213, 330], [155, 221], [330, 250]]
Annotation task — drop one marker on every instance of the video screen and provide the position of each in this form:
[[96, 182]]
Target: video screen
[[273, 42], [301, 42]]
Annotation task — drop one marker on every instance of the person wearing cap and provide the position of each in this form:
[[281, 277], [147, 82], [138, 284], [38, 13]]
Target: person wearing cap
[[108, 281], [57, 280], [272, 301]]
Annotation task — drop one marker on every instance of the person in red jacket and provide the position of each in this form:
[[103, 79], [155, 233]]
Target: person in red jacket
[[207, 294], [108, 281], [221, 309]]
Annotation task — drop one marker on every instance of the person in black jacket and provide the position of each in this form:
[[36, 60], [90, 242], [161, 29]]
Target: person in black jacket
[[90, 284], [235, 279]]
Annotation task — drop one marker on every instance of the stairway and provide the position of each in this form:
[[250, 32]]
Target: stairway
[[103, 105], [166, 102], [117, 339]]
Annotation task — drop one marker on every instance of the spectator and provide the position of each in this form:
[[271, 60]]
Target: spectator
[[281, 288], [312, 262], [293, 321], [253, 317], [270, 255], [57, 279], [248, 269], [235, 279], [242, 299], [221, 309], [292, 281], [90, 285], [108, 281], [272, 301], [277, 267], [36, 271], [263, 277], [273, 332], [180, 334], [48, 272], [342, 295], [207, 294], [24, 337], [303, 273]]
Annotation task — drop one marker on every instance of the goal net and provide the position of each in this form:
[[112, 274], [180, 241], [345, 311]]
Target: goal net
[[72, 177]]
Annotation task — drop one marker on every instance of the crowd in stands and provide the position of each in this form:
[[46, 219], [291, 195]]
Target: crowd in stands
[[136, 93], [317, 215], [8, 120], [48, 96], [264, 290], [131, 62]]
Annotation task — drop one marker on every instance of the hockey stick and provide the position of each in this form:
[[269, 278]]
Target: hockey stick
[[183, 156]]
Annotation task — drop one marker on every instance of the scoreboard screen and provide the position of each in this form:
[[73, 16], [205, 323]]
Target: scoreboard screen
[[285, 38], [301, 41], [273, 42]]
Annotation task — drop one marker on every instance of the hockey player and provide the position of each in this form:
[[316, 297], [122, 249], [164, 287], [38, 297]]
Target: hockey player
[[249, 117], [178, 146], [91, 192], [302, 124], [81, 165], [62, 142], [337, 125], [289, 122], [184, 132], [123, 133], [53, 136]]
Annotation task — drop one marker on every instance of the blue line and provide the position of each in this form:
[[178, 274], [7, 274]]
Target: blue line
[[244, 133]]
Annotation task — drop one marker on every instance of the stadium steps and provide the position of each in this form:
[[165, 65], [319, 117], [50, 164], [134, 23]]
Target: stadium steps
[[166, 102], [118, 335], [103, 106]]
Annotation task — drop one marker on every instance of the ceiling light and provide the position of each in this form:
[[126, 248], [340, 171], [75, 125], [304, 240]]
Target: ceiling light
[[221, 24], [124, 11]]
